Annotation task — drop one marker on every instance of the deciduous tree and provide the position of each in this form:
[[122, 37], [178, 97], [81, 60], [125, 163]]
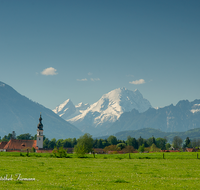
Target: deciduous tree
[[128, 149], [52, 143], [84, 144], [132, 142], [187, 143], [112, 140], [25, 136], [141, 148], [111, 148], [168, 146], [60, 143], [177, 141], [161, 142], [46, 143], [153, 148], [121, 145]]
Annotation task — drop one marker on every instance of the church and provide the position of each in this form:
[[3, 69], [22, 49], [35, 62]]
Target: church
[[15, 145]]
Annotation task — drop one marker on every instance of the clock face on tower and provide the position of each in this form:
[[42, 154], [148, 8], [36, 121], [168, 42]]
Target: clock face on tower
[[39, 133]]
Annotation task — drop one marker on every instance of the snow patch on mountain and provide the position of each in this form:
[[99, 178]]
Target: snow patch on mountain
[[67, 110], [196, 108], [82, 107], [109, 108]]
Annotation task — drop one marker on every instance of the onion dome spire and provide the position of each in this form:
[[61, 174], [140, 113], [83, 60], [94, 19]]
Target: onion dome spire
[[40, 125]]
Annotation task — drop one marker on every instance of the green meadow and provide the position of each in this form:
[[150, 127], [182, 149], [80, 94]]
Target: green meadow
[[139, 171]]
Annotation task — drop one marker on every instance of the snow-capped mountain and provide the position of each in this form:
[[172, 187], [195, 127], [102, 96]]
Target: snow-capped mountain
[[67, 110], [100, 115], [183, 116]]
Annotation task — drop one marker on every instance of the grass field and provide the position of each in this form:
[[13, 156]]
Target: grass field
[[142, 171]]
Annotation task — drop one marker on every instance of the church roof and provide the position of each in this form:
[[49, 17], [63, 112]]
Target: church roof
[[20, 144], [3, 144]]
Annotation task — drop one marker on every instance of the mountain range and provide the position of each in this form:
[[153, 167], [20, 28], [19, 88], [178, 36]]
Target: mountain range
[[98, 117], [20, 114], [183, 116], [118, 111], [125, 110]]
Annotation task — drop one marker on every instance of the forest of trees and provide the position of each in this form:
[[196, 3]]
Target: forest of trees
[[111, 143]]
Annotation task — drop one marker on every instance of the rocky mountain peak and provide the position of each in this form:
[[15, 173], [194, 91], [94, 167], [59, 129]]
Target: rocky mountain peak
[[107, 110]]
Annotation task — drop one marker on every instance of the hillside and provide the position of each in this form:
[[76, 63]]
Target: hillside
[[149, 132], [19, 114]]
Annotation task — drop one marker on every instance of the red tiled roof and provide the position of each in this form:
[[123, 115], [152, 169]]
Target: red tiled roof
[[3, 144], [170, 151], [20, 144], [191, 149], [44, 151]]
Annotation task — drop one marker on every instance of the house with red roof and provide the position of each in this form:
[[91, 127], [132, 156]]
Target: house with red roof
[[2, 145], [15, 145], [20, 145]]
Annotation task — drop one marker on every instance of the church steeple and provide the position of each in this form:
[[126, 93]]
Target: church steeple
[[40, 133], [40, 126], [40, 119]]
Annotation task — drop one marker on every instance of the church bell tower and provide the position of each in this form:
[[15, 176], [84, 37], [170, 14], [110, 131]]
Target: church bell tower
[[40, 133]]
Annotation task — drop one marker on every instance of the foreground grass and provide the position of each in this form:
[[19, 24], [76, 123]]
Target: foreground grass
[[104, 172], [157, 155]]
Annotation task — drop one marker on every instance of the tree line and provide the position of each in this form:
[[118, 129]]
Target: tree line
[[111, 143]]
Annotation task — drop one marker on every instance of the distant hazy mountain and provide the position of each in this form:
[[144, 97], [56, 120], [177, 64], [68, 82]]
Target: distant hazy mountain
[[100, 115], [149, 132], [19, 114], [182, 117]]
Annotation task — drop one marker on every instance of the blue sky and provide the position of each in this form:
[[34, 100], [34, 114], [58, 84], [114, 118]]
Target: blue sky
[[54, 50]]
